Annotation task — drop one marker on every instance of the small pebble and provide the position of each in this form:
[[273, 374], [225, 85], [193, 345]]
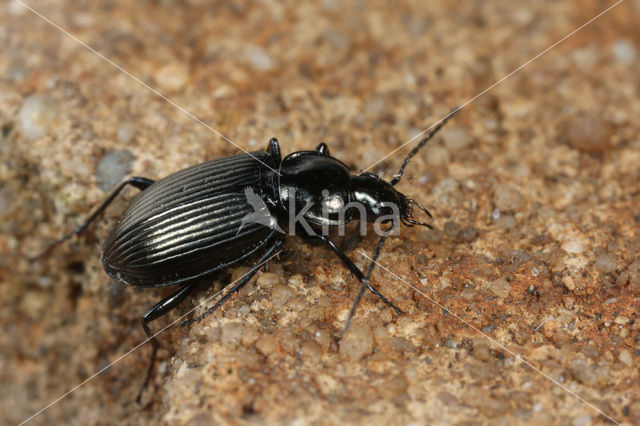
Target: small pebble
[[467, 234], [495, 214], [437, 156], [430, 236], [582, 420], [621, 320], [456, 138], [451, 229], [36, 116], [588, 133], [500, 288], [311, 351], [112, 168], [583, 372], [357, 342], [574, 246], [172, 77], [481, 351], [625, 357], [267, 344], [126, 131], [624, 51], [323, 339], [568, 282], [549, 328], [506, 222], [507, 198], [606, 263], [259, 58], [336, 39], [232, 333], [269, 280], [444, 187], [249, 335], [280, 295]]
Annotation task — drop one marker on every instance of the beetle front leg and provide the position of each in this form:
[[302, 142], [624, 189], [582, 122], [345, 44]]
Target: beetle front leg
[[159, 309], [356, 271], [139, 182]]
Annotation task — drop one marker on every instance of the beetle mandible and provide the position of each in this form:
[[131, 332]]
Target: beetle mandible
[[194, 222]]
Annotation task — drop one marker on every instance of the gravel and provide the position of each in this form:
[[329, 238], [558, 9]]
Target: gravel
[[357, 342], [507, 198], [112, 168], [172, 77], [589, 133], [607, 262], [36, 116]]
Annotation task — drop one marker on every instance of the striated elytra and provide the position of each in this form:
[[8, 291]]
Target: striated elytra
[[216, 214]]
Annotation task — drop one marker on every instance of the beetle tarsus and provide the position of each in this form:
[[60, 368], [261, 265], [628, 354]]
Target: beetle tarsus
[[152, 362]]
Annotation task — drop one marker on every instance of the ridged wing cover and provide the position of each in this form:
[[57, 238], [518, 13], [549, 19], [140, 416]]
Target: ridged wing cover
[[186, 224]]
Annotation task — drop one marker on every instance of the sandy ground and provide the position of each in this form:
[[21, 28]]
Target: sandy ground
[[526, 296]]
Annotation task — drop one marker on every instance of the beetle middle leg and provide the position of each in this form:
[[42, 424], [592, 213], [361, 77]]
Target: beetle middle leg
[[139, 182], [365, 281], [356, 271]]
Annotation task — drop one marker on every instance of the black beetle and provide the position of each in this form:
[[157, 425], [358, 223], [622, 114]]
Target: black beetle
[[216, 214]]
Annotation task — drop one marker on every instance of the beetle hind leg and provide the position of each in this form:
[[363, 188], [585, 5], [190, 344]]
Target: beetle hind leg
[[139, 182], [238, 286], [159, 309]]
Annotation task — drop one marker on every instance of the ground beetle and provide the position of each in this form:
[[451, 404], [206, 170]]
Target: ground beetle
[[194, 222]]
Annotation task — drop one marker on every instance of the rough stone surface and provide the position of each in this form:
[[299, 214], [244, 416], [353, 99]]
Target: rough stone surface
[[364, 80]]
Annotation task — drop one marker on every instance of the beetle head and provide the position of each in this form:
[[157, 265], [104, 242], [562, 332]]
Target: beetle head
[[382, 201]]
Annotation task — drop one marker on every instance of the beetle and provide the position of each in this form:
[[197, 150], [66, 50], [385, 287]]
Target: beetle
[[216, 214]]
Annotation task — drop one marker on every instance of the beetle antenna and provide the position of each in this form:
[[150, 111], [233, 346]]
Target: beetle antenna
[[422, 143]]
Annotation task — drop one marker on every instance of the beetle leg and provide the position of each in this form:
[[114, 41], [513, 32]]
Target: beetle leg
[[274, 150], [365, 282], [156, 311], [139, 182], [238, 286], [356, 271], [323, 149]]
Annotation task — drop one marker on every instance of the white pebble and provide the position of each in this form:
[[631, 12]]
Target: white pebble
[[259, 58], [126, 131], [444, 187], [456, 138], [36, 116], [625, 357], [173, 77], [624, 51], [573, 246]]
